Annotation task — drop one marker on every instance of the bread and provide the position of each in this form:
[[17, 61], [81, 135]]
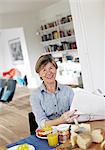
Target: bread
[[65, 146], [41, 132], [86, 126], [44, 131], [97, 135], [84, 140], [73, 139], [74, 134], [103, 145], [74, 128], [47, 129]]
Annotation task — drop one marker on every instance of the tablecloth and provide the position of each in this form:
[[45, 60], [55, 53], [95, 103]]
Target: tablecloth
[[39, 144]]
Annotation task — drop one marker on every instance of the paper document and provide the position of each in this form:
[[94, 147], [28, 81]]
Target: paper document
[[88, 105]]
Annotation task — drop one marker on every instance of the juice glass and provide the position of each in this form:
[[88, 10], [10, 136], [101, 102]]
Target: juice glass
[[52, 139]]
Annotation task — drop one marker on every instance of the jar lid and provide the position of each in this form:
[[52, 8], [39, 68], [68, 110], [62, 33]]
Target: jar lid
[[63, 127]]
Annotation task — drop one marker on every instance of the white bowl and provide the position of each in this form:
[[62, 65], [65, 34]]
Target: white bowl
[[63, 127]]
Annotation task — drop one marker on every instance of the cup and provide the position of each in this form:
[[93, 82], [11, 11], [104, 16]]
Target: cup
[[63, 133], [52, 139]]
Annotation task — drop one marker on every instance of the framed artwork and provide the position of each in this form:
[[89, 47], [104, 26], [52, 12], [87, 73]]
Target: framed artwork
[[16, 51]]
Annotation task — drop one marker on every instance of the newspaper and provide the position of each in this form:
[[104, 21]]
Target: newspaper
[[89, 106]]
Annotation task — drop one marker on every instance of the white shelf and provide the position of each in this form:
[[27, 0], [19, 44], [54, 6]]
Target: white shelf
[[56, 27], [65, 27], [58, 41], [51, 42], [68, 38], [49, 29], [65, 52], [72, 52], [66, 24]]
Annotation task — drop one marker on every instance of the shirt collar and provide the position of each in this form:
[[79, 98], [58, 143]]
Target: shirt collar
[[43, 89]]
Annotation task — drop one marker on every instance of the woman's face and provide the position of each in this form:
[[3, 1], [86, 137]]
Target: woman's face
[[48, 73]]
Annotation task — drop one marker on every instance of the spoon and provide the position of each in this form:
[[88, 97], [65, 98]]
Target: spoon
[[80, 129]]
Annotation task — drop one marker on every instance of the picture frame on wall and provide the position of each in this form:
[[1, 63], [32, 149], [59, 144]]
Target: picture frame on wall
[[16, 51]]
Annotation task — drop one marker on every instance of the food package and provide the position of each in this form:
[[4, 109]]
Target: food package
[[84, 140]]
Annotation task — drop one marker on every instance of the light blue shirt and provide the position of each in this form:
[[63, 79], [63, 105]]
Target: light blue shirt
[[47, 106]]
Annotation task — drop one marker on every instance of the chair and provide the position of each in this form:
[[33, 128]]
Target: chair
[[2, 86], [25, 80], [11, 85], [32, 123], [9, 92]]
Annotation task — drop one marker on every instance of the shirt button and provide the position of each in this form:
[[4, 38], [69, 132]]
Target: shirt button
[[55, 105]]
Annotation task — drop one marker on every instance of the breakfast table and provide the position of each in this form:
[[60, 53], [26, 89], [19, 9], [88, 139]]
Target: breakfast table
[[42, 144]]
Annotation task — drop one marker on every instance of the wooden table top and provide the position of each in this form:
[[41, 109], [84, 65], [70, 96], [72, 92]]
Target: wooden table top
[[94, 125]]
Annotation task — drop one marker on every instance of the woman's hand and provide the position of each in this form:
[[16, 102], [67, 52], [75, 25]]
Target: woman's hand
[[69, 116]]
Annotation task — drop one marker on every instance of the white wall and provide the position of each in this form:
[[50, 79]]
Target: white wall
[[0, 22], [9, 34], [89, 27], [55, 11], [104, 47], [1, 54], [30, 23]]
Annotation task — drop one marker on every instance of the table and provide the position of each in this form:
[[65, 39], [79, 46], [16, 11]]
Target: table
[[40, 144]]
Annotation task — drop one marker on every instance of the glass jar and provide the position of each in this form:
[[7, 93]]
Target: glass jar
[[63, 133]]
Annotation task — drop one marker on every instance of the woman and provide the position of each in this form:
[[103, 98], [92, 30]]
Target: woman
[[51, 101]]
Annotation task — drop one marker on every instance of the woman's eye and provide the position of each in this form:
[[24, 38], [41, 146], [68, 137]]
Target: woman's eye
[[51, 67], [44, 70]]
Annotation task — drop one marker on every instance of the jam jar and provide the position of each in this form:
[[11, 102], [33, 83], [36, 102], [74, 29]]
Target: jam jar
[[63, 133]]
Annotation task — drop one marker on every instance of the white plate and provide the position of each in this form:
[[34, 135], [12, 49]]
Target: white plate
[[44, 137], [41, 137], [31, 147]]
